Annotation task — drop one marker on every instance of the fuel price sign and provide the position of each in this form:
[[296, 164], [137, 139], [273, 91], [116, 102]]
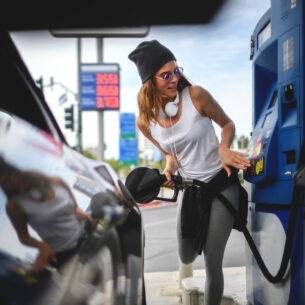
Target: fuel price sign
[[100, 87]]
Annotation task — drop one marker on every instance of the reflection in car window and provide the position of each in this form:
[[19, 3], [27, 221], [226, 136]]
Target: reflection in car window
[[48, 206]]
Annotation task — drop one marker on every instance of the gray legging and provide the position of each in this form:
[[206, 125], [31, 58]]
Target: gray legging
[[219, 229]]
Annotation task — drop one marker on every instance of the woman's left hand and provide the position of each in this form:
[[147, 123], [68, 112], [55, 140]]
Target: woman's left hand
[[45, 255], [82, 215], [233, 158]]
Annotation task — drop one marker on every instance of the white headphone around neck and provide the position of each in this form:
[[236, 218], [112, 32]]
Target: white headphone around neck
[[171, 108]]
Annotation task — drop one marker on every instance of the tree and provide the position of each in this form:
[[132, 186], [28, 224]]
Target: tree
[[242, 142]]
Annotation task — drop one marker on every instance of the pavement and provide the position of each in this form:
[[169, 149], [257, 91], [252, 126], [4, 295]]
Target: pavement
[[186, 286], [166, 288]]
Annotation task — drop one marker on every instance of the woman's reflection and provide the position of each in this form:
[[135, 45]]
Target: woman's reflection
[[48, 205]]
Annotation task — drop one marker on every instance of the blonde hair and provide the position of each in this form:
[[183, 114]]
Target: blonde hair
[[150, 101]]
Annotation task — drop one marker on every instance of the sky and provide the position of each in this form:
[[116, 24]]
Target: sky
[[214, 55]]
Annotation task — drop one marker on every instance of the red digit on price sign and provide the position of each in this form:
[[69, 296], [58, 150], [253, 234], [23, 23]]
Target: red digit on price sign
[[107, 102], [107, 90], [107, 78]]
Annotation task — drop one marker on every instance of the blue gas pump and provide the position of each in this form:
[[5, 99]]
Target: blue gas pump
[[276, 152]]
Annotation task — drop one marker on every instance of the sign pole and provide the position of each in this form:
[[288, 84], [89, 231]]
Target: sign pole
[[79, 110], [99, 33], [101, 141]]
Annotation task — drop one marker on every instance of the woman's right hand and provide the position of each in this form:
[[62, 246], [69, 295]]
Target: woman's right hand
[[45, 255], [169, 170]]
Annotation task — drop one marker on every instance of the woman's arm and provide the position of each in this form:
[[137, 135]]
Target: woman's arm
[[18, 219], [171, 162], [207, 106], [80, 213]]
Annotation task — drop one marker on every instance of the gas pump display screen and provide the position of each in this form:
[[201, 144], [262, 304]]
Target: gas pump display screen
[[264, 34], [268, 116]]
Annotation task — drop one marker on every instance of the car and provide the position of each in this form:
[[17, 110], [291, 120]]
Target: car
[[108, 268]]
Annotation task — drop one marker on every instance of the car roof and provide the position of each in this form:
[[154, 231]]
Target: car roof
[[55, 14]]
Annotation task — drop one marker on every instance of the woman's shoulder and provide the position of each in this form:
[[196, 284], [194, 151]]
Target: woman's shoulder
[[140, 123], [12, 206], [201, 98], [200, 95], [198, 91]]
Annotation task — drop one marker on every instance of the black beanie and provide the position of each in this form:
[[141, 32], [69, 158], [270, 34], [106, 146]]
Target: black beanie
[[149, 57]]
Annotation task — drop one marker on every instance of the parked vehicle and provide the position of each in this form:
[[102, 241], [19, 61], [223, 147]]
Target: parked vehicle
[[108, 268]]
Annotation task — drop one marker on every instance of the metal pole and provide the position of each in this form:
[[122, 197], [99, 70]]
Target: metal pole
[[79, 110], [101, 144]]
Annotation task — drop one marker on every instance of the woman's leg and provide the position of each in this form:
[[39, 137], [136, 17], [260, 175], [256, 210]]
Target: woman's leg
[[186, 251], [220, 226]]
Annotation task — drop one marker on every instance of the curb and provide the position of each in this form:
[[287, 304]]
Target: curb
[[156, 204]]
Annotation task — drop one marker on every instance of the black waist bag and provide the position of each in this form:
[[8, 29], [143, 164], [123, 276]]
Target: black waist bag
[[196, 206]]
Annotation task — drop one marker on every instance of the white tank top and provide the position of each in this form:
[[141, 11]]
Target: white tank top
[[54, 220], [193, 140]]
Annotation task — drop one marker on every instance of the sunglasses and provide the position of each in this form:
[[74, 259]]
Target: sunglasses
[[168, 76]]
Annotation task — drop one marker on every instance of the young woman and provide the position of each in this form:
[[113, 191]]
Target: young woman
[[177, 118], [47, 205]]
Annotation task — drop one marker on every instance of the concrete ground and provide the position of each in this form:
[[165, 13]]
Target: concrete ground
[[163, 288]]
